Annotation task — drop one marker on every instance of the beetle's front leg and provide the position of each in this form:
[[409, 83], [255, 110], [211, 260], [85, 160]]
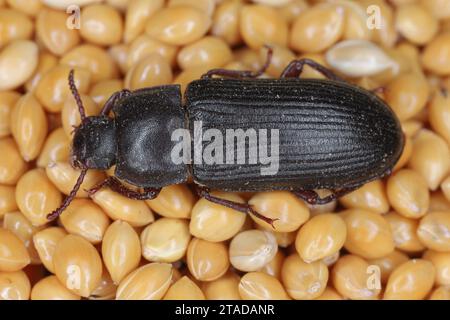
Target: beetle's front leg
[[115, 185], [241, 74], [109, 104], [295, 69], [313, 198], [241, 207]]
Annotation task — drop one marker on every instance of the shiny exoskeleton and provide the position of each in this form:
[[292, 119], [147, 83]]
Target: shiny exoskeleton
[[332, 135]]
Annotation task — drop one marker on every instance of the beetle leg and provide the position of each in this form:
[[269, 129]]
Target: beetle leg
[[115, 185], [240, 74], [295, 69], [241, 207], [109, 104], [313, 198]]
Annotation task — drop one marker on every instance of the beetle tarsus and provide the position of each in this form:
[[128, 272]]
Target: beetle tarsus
[[295, 69], [313, 198], [95, 188], [115, 185], [262, 217], [241, 74], [241, 207]]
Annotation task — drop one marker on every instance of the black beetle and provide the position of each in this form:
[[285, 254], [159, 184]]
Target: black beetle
[[331, 135]]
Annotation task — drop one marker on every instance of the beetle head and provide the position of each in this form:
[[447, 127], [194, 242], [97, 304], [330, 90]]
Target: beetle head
[[94, 144]]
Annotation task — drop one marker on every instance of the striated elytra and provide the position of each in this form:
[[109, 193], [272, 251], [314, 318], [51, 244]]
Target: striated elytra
[[332, 135], [240, 133]]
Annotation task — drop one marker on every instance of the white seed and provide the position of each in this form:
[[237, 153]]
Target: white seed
[[252, 249], [358, 58]]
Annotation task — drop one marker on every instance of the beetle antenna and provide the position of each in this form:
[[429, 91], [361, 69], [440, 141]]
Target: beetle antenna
[[76, 95], [57, 212]]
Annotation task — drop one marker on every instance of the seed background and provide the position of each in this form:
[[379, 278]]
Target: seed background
[[180, 247]]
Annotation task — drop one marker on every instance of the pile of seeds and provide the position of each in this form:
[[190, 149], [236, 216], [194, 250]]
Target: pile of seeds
[[388, 240]]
